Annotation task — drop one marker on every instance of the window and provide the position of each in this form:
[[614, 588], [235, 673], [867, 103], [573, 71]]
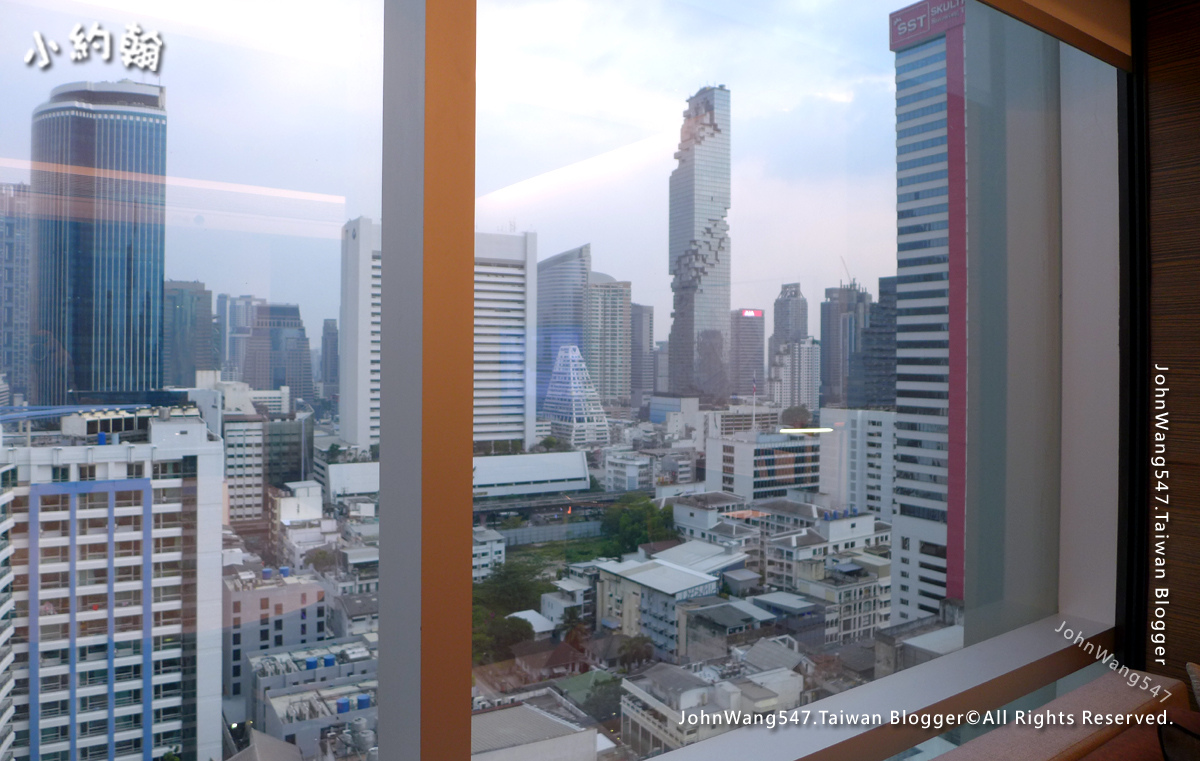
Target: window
[[235, 638]]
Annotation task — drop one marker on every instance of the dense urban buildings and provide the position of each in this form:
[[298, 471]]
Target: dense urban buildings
[[873, 366], [746, 329], [641, 350], [188, 338], [15, 246], [97, 311], [235, 319], [790, 319], [700, 249], [843, 318], [278, 354], [857, 459], [116, 553], [506, 308], [360, 325], [606, 337], [562, 282]]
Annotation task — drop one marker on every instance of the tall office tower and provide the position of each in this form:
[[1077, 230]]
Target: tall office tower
[[506, 330], [843, 317], [329, 359], [790, 318], [699, 249], [277, 352], [873, 366], [235, 320], [795, 378], [562, 282], [116, 563], [980, 247], [5, 391], [360, 327], [15, 244], [641, 349], [606, 337], [572, 404], [857, 459], [98, 238], [746, 329], [662, 366], [189, 343]]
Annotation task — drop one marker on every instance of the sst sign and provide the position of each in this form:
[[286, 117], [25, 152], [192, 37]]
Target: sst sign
[[925, 19]]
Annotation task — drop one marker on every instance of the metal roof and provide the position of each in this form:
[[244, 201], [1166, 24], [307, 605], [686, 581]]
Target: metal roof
[[523, 468], [514, 726]]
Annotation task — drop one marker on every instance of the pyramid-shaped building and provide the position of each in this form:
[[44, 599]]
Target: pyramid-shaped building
[[572, 403]]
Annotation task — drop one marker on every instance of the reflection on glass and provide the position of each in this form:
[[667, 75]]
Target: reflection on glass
[[189, 399], [723, 518]]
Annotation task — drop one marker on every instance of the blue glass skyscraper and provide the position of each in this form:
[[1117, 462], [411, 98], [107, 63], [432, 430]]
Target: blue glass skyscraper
[[100, 154], [699, 249]]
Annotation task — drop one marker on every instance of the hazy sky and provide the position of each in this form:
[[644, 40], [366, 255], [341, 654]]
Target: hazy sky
[[580, 105], [274, 132]]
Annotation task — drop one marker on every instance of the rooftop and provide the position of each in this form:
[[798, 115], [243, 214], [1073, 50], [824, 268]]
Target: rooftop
[[708, 499], [660, 575], [786, 601], [701, 556], [359, 605], [320, 703], [513, 726], [939, 641]]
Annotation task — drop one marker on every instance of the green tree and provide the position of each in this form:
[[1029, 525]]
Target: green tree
[[635, 650], [633, 520], [512, 521], [514, 585], [320, 559], [574, 629], [603, 701], [796, 417], [493, 636]]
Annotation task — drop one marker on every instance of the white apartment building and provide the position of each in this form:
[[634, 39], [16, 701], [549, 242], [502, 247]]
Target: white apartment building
[[228, 409], [606, 337], [639, 597], [359, 327], [858, 459], [506, 292], [795, 374], [628, 471], [487, 552], [762, 465], [116, 551]]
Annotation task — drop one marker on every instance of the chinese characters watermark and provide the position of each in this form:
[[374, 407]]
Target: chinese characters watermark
[[138, 48]]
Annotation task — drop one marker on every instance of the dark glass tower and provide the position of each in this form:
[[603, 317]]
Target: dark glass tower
[[100, 159], [873, 366], [189, 336]]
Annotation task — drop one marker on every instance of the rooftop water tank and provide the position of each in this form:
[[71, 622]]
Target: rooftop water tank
[[364, 701], [330, 659], [343, 705], [310, 663], [285, 571], [266, 574]]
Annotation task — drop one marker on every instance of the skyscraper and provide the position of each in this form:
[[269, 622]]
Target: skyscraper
[[795, 378], [790, 322], [277, 352], [189, 339], [15, 207], [562, 282], [359, 337], [873, 366], [843, 317], [329, 359], [235, 318], [506, 308], [572, 404], [746, 329], [100, 158], [641, 349], [699, 249], [606, 337]]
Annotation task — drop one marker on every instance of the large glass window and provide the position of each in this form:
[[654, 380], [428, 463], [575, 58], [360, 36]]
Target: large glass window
[[767, 303]]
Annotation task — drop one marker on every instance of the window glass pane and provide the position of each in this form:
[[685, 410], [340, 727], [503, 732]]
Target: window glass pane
[[765, 306], [190, 281]]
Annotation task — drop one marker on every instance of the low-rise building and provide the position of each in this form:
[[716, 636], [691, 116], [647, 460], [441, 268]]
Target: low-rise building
[[271, 671], [306, 714], [568, 594], [756, 465], [638, 597], [628, 471], [521, 731], [543, 627], [520, 475], [487, 552], [353, 615], [668, 707]]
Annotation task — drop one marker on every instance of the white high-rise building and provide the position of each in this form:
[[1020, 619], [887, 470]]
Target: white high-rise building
[[359, 332], [506, 301], [116, 561], [857, 460], [796, 375], [699, 248], [572, 404], [606, 336], [756, 465]]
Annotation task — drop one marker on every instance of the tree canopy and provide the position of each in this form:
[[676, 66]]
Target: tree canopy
[[634, 520], [796, 417]]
